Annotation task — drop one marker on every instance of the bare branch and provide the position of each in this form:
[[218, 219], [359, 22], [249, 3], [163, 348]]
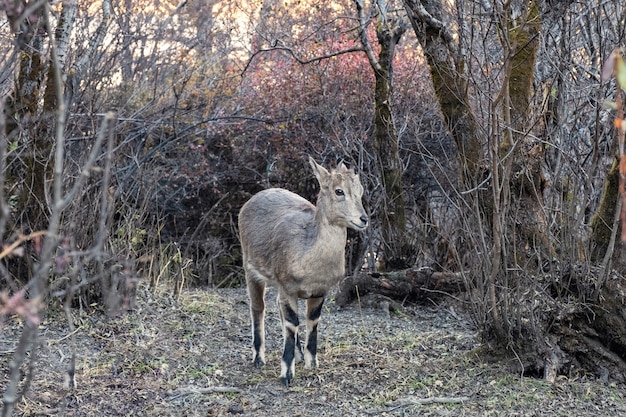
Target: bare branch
[[367, 47], [180, 5], [11, 394], [80, 65], [299, 60], [4, 207], [416, 11], [89, 164]]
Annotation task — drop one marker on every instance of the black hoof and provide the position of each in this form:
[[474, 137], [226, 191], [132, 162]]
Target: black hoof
[[258, 362], [285, 382]]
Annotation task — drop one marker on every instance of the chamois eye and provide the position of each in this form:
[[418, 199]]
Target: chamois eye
[[339, 192]]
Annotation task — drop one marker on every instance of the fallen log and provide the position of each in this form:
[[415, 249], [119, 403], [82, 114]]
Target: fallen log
[[404, 285]]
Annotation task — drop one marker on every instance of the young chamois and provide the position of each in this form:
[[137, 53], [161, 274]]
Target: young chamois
[[299, 248]]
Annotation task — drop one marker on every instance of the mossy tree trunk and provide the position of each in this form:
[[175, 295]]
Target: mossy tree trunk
[[603, 220], [513, 154], [448, 75], [526, 178], [23, 112], [447, 71], [518, 224], [501, 150], [389, 30], [31, 113]]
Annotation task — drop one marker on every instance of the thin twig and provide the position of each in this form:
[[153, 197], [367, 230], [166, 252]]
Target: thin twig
[[407, 402], [298, 59], [208, 390], [76, 330], [12, 395], [204, 220], [8, 250], [425, 401], [363, 23], [4, 145]]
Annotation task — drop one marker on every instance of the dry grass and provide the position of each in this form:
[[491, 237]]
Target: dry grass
[[190, 357]]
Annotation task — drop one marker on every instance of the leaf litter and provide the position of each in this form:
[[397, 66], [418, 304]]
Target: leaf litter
[[191, 356]]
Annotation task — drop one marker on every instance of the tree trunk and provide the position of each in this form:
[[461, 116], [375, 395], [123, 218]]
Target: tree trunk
[[395, 252], [385, 141], [447, 70], [22, 121], [78, 69], [519, 229], [526, 179], [606, 226], [62, 36], [32, 114]]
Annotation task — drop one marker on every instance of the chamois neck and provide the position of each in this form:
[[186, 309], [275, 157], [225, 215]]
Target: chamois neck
[[328, 234], [321, 215]]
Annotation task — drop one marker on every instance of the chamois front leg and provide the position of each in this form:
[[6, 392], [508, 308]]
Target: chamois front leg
[[256, 291], [288, 308], [313, 312], [298, 354]]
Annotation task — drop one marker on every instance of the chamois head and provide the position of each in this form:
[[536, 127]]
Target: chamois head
[[340, 196]]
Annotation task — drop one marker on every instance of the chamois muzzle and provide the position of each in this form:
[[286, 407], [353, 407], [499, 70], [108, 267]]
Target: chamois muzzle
[[362, 225]]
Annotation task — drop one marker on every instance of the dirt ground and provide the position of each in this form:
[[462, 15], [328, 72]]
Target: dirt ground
[[191, 356]]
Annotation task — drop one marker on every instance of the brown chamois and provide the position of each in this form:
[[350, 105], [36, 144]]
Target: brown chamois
[[299, 248]]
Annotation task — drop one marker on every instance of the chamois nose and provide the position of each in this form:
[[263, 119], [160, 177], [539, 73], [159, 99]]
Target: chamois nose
[[364, 219]]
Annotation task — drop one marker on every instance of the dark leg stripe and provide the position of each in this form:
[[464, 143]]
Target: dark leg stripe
[[311, 344], [257, 339], [315, 314], [290, 345], [291, 316], [299, 345], [256, 331]]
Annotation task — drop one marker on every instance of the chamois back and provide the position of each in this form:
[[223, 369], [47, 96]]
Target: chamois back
[[286, 239]]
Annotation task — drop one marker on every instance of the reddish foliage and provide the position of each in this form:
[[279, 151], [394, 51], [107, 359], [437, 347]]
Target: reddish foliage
[[18, 304]]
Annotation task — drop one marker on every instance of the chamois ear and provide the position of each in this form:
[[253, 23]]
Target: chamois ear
[[320, 172], [344, 169]]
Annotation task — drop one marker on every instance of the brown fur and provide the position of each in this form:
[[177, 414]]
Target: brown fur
[[299, 248]]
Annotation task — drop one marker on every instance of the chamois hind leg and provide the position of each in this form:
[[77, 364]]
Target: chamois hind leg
[[313, 312], [256, 292], [288, 308]]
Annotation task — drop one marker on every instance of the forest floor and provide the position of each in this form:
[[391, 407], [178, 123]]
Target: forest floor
[[191, 356]]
